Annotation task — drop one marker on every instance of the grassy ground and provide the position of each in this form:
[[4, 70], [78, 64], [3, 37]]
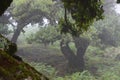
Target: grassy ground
[[40, 54], [101, 64]]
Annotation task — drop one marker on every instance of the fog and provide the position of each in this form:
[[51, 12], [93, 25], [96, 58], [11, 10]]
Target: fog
[[95, 52]]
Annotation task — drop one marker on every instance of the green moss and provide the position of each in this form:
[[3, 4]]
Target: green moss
[[15, 70], [6, 74]]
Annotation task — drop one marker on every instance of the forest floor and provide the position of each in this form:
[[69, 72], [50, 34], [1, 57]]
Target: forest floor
[[50, 56], [53, 56]]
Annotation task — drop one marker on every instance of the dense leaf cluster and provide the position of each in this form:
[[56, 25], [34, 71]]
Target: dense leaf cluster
[[84, 12], [118, 1]]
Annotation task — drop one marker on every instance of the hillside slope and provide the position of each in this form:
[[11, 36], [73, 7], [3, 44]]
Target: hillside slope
[[11, 69]]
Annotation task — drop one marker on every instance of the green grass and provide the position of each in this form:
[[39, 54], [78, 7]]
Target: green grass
[[106, 67], [45, 69]]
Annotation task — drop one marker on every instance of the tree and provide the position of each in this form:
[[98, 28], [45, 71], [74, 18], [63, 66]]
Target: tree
[[46, 35], [108, 30], [31, 12], [4, 29], [118, 1], [50, 34], [76, 58], [83, 15], [74, 7], [81, 20], [23, 17], [75, 61], [15, 66], [4, 18]]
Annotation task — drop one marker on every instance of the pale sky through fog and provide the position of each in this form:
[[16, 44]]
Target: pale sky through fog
[[117, 8]]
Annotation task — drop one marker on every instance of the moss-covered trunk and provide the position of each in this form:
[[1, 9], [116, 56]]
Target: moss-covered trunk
[[12, 69]]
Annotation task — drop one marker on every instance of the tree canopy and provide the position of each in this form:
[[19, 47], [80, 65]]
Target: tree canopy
[[84, 12], [29, 11], [78, 14]]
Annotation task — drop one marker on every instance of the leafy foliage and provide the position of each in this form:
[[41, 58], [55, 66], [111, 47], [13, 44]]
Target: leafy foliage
[[31, 11], [47, 70], [46, 35], [83, 15], [85, 75], [4, 29], [108, 30], [118, 1]]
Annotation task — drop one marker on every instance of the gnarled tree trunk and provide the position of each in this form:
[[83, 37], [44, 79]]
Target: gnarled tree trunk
[[17, 33], [81, 45], [75, 61]]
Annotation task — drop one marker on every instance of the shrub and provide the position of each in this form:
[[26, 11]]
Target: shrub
[[45, 69], [85, 75]]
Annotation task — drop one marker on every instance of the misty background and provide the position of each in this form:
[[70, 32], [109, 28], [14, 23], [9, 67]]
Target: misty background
[[35, 28]]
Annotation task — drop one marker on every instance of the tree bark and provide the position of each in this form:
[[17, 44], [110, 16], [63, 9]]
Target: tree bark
[[68, 53], [81, 44], [16, 34], [75, 62]]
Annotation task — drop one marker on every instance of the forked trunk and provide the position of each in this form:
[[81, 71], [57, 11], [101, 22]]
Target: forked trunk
[[75, 62]]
